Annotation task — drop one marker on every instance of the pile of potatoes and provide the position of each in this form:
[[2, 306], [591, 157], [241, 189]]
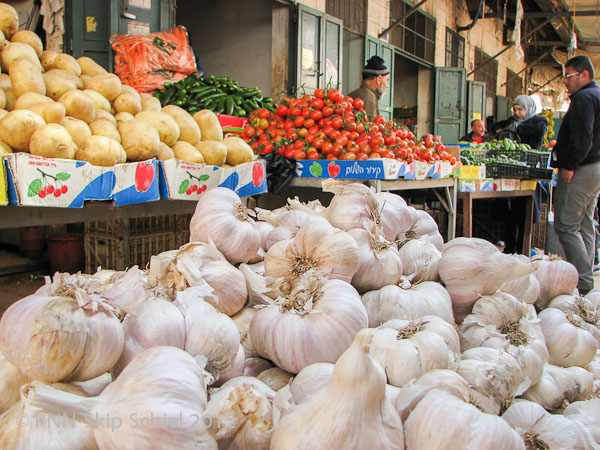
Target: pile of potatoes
[[56, 106]]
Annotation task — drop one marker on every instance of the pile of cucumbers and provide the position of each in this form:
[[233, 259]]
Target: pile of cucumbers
[[222, 95], [502, 144]]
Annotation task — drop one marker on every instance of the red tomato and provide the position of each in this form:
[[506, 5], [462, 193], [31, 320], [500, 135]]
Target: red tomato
[[428, 143], [327, 148], [299, 154], [312, 154], [452, 160], [299, 144], [317, 103], [319, 93], [264, 114], [335, 95], [308, 123], [327, 111], [331, 157], [359, 103], [374, 155], [353, 147], [337, 122], [348, 156], [318, 143], [316, 115], [362, 156], [337, 149], [249, 131], [426, 155], [294, 111], [401, 153], [282, 110], [299, 122], [342, 140], [289, 152]]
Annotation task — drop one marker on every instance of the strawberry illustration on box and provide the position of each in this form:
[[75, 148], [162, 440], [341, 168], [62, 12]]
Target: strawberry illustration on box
[[135, 182]]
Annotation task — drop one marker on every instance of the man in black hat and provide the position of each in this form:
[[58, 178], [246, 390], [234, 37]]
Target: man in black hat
[[376, 78]]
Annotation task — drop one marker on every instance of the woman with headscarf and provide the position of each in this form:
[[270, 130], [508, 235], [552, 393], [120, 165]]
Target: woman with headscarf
[[529, 127]]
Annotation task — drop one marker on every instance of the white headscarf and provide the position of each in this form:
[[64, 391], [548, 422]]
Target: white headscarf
[[528, 104]]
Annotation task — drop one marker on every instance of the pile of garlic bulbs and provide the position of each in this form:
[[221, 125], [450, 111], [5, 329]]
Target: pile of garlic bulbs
[[346, 326]]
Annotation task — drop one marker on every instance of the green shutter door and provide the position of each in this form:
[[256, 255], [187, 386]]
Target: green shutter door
[[503, 107], [374, 46], [449, 103], [333, 51], [475, 103]]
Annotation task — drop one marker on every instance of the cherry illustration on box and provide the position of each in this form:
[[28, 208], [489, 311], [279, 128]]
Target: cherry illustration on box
[[48, 185], [193, 184]]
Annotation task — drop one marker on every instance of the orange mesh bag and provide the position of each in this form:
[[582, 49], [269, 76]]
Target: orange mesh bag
[[146, 61]]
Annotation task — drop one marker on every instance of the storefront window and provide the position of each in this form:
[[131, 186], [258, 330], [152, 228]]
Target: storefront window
[[487, 73], [455, 49], [514, 84], [416, 35], [352, 12]]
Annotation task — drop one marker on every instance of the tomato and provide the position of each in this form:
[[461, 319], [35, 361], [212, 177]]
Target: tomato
[[318, 143], [337, 122], [299, 154], [360, 128], [309, 123], [316, 115], [353, 147], [282, 110], [380, 120], [294, 111], [365, 148], [351, 126], [426, 155], [263, 123], [289, 152], [305, 112], [353, 136], [342, 140], [401, 153], [327, 111], [312, 154], [334, 135], [327, 148], [310, 137], [299, 144], [348, 156], [374, 155], [299, 122], [302, 132], [337, 149], [335, 95], [291, 135], [331, 157], [268, 148], [319, 93], [249, 131], [444, 155], [359, 103], [376, 140], [440, 147], [391, 139], [452, 160], [362, 156], [264, 114], [428, 143], [317, 103]]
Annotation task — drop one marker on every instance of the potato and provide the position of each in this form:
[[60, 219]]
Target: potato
[[210, 128], [127, 103], [52, 112], [214, 152], [166, 126], [125, 89], [101, 114], [5, 82], [139, 138], [59, 81], [238, 152], [9, 20], [47, 59], [150, 102], [29, 38], [108, 84], [11, 99], [100, 151], [189, 129], [103, 127], [52, 141], [3, 112], [17, 126], [2, 99], [67, 62], [31, 98], [85, 79], [78, 129], [25, 78], [185, 151], [3, 41], [164, 152], [100, 101], [123, 117], [5, 148], [78, 105], [14, 50], [90, 67]]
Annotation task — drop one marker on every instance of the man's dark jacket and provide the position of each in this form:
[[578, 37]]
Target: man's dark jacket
[[578, 140], [469, 137]]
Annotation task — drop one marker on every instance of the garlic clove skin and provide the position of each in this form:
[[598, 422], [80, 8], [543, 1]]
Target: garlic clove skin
[[242, 320], [525, 289], [395, 217], [569, 344], [424, 228], [235, 369], [556, 277], [11, 380], [420, 260], [588, 310], [221, 217], [289, 225], [351, 206], [255, 366], [586, 413], [275, 378], [95, 386]]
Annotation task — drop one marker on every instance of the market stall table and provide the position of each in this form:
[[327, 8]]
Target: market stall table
[[467, 210]]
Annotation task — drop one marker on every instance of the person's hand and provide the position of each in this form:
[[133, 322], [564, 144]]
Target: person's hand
[[567, 175]]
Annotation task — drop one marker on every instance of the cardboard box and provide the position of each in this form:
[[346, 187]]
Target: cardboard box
[[507, 184], [443, 169], [3, 183], [35, 181], [485, 185], [371, 169], [528, 185], [472, 172], [232, 124], [180, 180]]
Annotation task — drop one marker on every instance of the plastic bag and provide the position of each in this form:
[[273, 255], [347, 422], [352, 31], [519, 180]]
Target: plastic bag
[[280, 171]]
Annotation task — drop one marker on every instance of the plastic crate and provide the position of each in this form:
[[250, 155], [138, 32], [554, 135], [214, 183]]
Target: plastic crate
[[544, 159], [504, 170], [529, 157], [539, 174], [118, 253], [134, 226]]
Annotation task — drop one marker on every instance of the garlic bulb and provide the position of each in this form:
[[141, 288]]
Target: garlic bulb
[[586, 413], [235, 369], [525, 289], [156, 322], [242, 320], [352, 206], [241, 412], [395, 216], [327, 250], [442, 379], [556, 277], [157, 401], [594, 368], [52, 338], [24, 427], [424, 228], [568, 342], [289, 225], [406, 349], [501, 322], [441, 421], [420, 260], [540, 429], [408, 302], [264, 228], [221, 217], [559, 386], [209, 332], [351, 411], [379, 261], [471, 267], [495, 375], [275, 377], [262, 290], [587, 309], [199, 264], [11, 380], [255, 366], [94, 386], [316, 322]]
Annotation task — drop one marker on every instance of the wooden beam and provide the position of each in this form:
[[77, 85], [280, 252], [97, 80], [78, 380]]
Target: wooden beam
[[546, 84], [546, 53]]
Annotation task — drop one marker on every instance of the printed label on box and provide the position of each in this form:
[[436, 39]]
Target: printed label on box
[[180, 180], [509, 184], [246, 179], [528, 185], [135, 182], [373, 169], [3, 183], [232, 124], [472, 172]]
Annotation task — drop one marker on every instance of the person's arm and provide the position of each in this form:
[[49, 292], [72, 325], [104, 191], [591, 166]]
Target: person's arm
[[581, 120], [533, 130]]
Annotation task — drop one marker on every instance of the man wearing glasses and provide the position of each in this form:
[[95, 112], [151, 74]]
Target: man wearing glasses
[[577, 157]]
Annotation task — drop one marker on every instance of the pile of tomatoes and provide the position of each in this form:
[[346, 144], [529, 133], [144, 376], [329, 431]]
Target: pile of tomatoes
[[329, 125]]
